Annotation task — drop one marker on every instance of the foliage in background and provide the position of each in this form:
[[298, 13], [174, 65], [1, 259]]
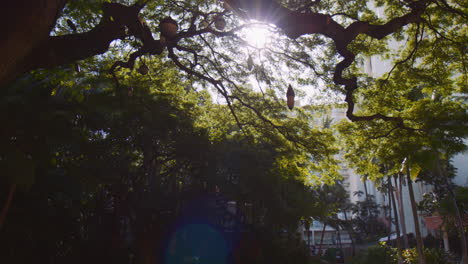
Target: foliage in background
[[115, 168], [388, 255]]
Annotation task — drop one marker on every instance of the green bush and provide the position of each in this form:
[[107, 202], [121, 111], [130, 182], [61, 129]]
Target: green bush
[[330, 254], [436, 256], [433, 256], [388, 255], [383, 253], [410, 256]]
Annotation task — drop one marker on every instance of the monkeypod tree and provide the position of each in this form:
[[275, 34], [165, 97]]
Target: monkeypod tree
[[319, 44], [309, 44], [326, 37]]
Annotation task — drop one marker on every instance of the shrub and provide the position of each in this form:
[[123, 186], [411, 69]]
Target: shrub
[[383, 253], [436, 256], [388, 255], [433, 256]]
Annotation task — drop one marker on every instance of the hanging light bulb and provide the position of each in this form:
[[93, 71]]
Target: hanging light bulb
[[168, 27], [220, 23], [71, 25], [143, 69], [290, 97], [250, 63]]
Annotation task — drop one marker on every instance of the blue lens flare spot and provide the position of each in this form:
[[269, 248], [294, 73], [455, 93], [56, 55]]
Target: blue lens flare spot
[[197, 243]]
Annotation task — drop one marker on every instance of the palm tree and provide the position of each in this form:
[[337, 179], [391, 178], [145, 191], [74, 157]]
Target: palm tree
[[419, 242], [397, 226], [401, 209]]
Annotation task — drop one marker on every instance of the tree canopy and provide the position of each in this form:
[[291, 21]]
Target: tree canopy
[[327, 38], [141, 120]]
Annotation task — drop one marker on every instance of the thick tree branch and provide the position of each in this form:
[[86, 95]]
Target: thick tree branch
[[295, 24], [50, 51], [25, 25], [59, 50]]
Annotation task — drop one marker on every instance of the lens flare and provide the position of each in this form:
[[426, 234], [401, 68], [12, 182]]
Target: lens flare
[[197, 243], [257, 35]]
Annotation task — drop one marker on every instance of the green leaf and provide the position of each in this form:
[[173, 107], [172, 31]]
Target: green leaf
[[414, 171]]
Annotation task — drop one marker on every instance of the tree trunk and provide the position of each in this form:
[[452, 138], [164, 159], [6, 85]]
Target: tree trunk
[[419, 242], [366, 192], [401, 209], [445, 237], [339, 236], [321, 239], [6, 208], [397, 226], [27, 25], [461, 230], [389, 191], [350, 234], [458, 216], [308, 239]]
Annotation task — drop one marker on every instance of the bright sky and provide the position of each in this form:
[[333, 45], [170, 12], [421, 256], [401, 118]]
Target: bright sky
[[259, 35]]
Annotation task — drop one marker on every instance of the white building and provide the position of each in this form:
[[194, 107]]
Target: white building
[[355, 184], [460, 161], [375, 66]]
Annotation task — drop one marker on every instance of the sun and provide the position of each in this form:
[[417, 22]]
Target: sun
[[257, 35]]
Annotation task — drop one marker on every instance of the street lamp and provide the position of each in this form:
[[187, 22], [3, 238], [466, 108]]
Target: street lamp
[[290, 96]]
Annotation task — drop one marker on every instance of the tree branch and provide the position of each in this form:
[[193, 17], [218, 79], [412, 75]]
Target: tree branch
[[413, 51], [295, 24]]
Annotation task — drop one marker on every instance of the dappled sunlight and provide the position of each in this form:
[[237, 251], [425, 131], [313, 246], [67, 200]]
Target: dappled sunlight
[[233, 132]]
